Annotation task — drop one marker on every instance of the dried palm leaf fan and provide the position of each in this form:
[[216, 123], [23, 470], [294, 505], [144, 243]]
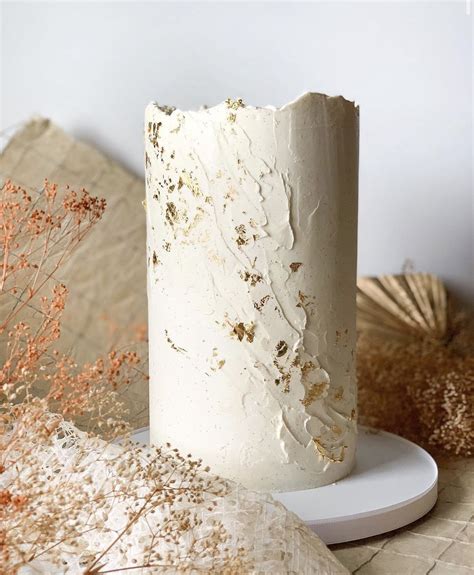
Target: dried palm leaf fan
[[415, 362], [403, 306]]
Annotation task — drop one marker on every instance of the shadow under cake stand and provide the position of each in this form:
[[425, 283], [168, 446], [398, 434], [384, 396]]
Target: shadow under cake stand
[[393, 483]]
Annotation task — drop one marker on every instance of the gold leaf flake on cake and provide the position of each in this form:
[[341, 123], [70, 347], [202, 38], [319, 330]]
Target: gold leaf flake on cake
[[168, 110], [315, 391], [295, 266], [252, 278], [241, 239], [306, 302], [284, 375], [172, 344], [258, 305], [154, 132], [244, 331], [326, 454], [231, 194], [171, 213], [188, 180], [197, 218], [281, 348], [216, 363], [234, 104]]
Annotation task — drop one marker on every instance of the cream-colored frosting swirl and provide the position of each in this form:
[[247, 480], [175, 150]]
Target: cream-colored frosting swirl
[[252, 233]]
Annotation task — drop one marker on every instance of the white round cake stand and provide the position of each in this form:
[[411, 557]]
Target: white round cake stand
[[394, 483]]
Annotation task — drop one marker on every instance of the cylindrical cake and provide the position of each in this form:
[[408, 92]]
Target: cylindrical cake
[[252, 247]]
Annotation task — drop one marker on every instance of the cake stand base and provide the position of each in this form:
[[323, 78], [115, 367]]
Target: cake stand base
[[394, 483]]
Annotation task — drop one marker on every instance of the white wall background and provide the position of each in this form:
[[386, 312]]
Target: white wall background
[[93, 67]]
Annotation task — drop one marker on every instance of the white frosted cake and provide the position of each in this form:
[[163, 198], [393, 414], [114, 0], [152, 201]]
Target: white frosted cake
[[252, 235]]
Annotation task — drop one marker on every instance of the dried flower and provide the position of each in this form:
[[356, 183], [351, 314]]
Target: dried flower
[[421, 388]]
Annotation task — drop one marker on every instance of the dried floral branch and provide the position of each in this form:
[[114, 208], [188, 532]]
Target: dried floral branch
[[31, 232], [420, 388]]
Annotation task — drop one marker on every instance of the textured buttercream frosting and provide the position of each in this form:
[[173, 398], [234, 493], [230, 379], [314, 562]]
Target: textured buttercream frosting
[[252, 235]]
